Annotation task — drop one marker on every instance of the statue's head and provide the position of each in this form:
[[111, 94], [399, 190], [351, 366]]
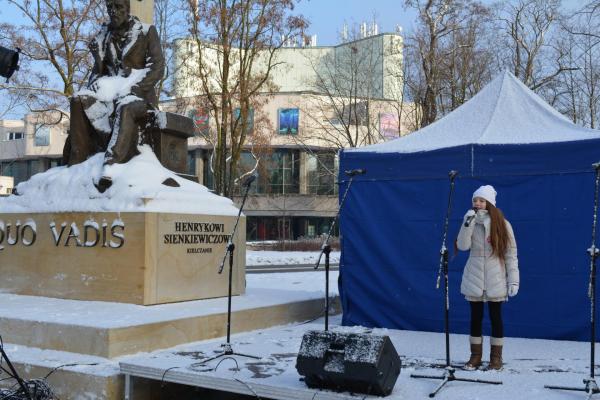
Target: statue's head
[[118, 12]]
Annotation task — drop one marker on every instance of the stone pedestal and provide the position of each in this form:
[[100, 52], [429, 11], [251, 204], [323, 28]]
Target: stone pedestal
[[138, 257]]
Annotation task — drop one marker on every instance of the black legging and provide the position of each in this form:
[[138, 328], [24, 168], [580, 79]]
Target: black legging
[[495, 308]]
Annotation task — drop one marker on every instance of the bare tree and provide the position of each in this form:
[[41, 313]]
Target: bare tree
[[53, 41], [171, 24], [466, 57], [234, 47], [435, 19], [581, 86], [532, 26], [450, 55]]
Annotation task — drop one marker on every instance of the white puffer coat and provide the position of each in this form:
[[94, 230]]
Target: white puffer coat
[[485, 277]]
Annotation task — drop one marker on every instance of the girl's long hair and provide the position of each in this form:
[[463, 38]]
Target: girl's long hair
[[499, 234]]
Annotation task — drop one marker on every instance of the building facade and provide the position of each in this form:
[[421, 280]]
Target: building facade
[[31, 145], [296, 132], [319, 99]]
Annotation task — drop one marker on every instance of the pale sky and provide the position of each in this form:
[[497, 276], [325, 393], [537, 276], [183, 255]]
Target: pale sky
[[327, 17]]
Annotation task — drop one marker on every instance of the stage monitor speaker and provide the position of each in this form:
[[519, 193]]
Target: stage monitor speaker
[[353, 362]]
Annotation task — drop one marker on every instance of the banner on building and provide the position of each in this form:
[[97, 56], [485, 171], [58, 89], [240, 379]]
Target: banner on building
[[388, 125]]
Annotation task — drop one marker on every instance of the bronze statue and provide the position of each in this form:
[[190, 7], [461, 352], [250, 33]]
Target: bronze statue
[[128, 63]]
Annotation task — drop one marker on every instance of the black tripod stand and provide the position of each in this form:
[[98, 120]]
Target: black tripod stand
[[326, 248], [227, 349], [449, 370], [591, 387]]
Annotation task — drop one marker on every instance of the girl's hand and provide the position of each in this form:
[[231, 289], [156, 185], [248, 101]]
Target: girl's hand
[[469, 214], [513, 289]]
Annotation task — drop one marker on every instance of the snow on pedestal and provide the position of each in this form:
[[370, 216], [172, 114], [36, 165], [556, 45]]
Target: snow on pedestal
[[140, 241]]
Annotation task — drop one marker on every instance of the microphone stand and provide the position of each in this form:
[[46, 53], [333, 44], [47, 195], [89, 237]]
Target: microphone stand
[[449, 370], [326, 248], [591, 387], [227, 348]]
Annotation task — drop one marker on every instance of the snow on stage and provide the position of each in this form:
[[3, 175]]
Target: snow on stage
[[529, 365]]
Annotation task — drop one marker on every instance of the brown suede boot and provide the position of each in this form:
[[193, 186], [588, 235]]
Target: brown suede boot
[[496, 357], [476, 353]]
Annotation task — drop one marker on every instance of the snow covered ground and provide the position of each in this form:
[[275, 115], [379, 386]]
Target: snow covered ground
[[261, 257], [262, 290], [529, 365]]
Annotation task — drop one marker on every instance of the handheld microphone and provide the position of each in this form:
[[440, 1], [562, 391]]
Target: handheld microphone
[[354, 172], [470, 219]]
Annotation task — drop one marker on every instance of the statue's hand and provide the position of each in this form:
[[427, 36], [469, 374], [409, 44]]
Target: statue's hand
[[136, 90]]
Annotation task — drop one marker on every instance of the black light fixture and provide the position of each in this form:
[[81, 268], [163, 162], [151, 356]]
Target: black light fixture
[[9, 62]]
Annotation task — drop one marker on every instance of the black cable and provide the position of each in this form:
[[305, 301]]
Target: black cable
[[65, 365], [162, 380], [249, 388], [237, 366], [38, 388]]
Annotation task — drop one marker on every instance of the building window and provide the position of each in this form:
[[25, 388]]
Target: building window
[[288, 121], [278, 173], [191, 162], [284, 172], [356, 113], [208, 177], [321, 170], [35, 167], [41, 136], [288, 228], [15, 135], [19, 170], [250, 122], [317, 226]]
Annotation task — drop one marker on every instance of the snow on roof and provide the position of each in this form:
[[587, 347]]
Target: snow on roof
[[504, 112], [137, 187]]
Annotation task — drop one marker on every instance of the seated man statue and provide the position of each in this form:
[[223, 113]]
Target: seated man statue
[[105, 116]]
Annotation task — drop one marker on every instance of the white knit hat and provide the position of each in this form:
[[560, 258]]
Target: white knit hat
[[486, 192]]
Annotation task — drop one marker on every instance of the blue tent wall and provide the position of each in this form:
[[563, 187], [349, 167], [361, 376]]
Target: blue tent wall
[[391, 228]]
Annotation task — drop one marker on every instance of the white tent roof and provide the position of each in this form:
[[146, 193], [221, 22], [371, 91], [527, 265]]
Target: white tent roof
[[503, 112]]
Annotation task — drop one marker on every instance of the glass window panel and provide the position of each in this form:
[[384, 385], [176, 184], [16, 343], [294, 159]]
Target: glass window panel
[[41, 136], [18, 170], [321, 173], [36, 166], [191, 162], [250, 122]]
